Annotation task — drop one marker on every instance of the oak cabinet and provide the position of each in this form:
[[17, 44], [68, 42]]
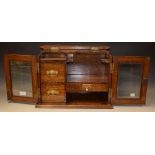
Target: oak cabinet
[[72, 76]]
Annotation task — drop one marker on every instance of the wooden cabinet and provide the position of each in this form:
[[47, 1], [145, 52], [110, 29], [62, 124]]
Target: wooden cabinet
[[76, 77]]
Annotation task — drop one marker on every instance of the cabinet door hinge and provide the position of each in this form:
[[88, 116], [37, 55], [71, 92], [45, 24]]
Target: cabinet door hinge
[[38, 91], [8, 96], [38, 67], [110, 92], [111, 68]]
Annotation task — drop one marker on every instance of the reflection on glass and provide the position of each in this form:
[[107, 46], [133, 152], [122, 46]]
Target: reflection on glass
[[21, 76], [129, 80]]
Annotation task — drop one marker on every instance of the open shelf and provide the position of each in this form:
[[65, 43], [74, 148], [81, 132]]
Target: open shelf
[[87, 73], [88, 100]]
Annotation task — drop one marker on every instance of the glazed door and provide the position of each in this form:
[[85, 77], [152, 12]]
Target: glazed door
[[129, 79], [21, 78]]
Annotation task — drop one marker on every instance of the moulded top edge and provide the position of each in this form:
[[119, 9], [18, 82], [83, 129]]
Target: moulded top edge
[[76, 47]]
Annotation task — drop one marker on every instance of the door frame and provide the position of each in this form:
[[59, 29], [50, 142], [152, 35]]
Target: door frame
[[27, 58], [145, 75]]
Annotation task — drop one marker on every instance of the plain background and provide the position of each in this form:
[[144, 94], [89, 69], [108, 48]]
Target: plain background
[[77, 21]]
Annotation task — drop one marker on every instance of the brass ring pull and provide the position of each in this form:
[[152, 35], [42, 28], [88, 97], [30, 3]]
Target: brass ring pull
[[52, 73], [52, 92]]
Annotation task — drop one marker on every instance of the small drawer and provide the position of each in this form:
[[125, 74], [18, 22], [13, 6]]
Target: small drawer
[[53, 93], [95, 87], [54, 72], [74, 87]]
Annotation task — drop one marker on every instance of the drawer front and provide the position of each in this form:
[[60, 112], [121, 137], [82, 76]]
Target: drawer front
[[74, 87], [54, 72], [53, 93]]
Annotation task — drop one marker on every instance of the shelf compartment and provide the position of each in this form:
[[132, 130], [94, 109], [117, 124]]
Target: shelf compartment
[[82, 101], [88, 78], [88, 100], [87, 68]]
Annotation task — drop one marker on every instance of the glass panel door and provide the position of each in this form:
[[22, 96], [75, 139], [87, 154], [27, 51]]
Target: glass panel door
[[129, 80], [21, 78], [21, 75]]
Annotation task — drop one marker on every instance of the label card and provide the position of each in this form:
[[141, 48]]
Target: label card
[[22, 93], [132, 94]]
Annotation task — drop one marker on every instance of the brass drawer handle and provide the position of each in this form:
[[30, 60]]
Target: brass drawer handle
[[86, 87], [52, 73], [53, 92]]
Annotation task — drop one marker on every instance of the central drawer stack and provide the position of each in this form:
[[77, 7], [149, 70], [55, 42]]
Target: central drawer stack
[[74, 77], [53, 78]]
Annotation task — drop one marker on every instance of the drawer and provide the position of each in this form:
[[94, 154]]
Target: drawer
[[75, 87], [54, 72], [53, 93]]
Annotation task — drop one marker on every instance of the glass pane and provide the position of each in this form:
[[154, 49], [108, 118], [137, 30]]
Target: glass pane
[[129, 80], [21, 76]]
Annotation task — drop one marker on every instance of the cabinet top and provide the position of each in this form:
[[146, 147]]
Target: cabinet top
[[74, 47]]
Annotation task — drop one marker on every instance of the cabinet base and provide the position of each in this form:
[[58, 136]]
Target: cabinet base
[[75, 106]]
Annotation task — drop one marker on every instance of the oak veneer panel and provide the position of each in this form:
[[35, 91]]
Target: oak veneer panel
[[88, 58]]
